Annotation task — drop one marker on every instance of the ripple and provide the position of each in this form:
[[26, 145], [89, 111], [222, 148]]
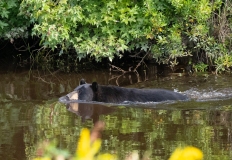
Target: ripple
[[209, 94]]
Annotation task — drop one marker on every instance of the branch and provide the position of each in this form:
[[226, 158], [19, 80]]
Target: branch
[[118, 68], [141, 61]]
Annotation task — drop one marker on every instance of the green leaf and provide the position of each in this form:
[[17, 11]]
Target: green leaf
[[3, 24]]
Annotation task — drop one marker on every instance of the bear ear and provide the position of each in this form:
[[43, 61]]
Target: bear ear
[[95, 86], [82, 81]]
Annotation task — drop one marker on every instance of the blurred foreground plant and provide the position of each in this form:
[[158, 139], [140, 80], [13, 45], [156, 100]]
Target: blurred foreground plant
[[89, 144], [187, 153]]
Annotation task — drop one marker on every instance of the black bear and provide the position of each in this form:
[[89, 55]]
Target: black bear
[[113, 94]]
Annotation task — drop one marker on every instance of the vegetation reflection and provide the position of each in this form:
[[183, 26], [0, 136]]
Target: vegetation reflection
[[89, 145], [127, 129]]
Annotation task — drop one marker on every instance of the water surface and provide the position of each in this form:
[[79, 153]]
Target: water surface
[[30, 113]]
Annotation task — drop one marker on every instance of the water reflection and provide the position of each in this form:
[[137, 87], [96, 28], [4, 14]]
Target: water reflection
[[160, 128], [89, 111]]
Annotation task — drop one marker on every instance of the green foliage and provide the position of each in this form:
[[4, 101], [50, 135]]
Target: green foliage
[[105, 28], [5, 7], [98, 28], [201, 67], [223, 63], [12, 25], [186, 18], [166, 29]]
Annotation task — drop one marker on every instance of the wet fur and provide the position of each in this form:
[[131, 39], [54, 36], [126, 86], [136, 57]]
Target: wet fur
[[114, 94]]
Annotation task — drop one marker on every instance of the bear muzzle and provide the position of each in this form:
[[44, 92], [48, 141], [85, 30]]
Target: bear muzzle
[[73, 95], [69, 97]]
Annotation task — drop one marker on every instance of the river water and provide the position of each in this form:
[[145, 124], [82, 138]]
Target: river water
[[30, 113]]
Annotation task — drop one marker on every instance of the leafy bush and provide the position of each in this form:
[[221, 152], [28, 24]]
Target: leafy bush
[[105, 28], [12, 25], [165, 29], [223, 63], [201, 67]]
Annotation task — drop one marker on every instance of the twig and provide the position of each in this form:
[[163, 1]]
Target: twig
[[130, 68], [118, 68], [40, 78], [141, 61], [117, 77], [136, 55]]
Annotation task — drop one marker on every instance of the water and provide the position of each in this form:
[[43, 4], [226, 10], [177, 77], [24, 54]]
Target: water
[[30, 113]]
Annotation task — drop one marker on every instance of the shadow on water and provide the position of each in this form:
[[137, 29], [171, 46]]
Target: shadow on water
[[30, 113]]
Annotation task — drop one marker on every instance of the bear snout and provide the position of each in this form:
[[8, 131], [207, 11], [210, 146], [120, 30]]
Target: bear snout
[[64, 99], [73, 95], [69, 97]]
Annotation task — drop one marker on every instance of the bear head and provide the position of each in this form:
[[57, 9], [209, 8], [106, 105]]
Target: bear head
[[84, 92]]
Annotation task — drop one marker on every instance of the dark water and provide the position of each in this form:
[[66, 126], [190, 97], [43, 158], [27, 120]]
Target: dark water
[[30, 113]]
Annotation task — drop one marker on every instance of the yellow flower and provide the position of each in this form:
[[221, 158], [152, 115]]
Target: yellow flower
[[187, 153], [83, 143], [86, 149]]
